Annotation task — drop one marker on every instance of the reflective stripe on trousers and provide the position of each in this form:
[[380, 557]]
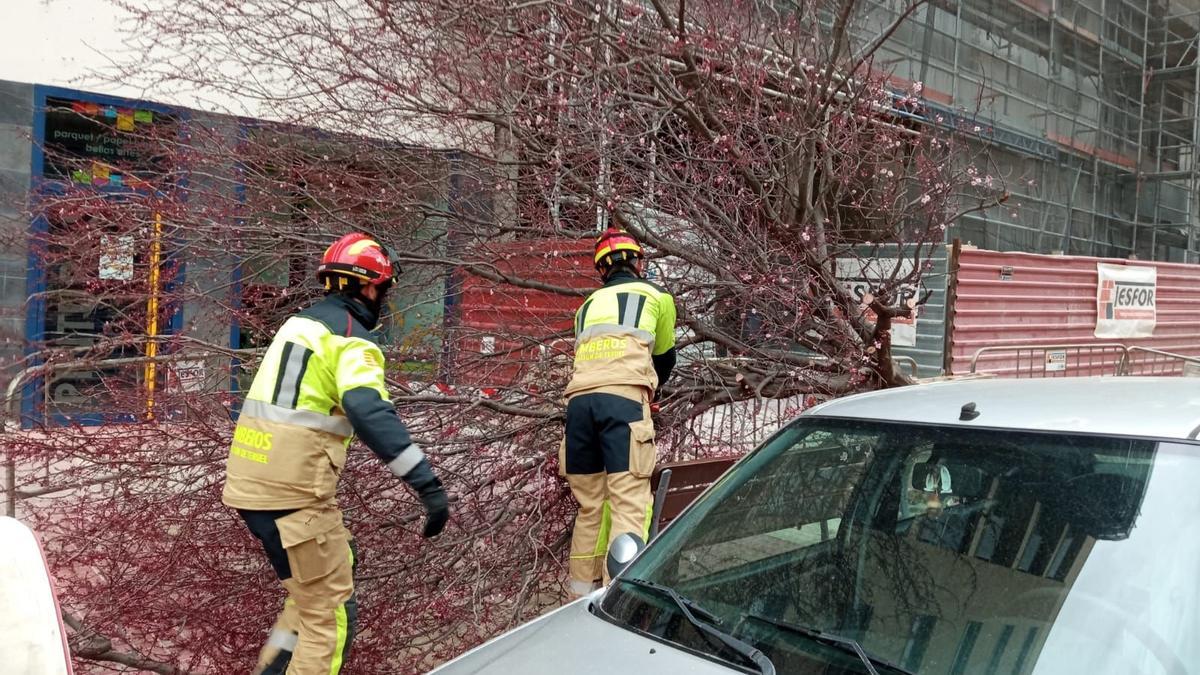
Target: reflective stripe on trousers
[[598, 522], [314, 632], [608, 456]]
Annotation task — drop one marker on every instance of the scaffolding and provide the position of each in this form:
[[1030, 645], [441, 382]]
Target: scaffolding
[[1173, 127], [1088, 108]]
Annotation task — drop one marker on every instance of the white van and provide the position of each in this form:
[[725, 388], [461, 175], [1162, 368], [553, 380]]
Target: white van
[[997, 527], [32, 638]]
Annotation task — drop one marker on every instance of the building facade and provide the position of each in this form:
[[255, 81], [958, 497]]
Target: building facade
[[221, 218], [1088, 109]]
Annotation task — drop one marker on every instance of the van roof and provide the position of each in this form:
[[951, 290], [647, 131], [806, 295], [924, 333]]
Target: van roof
[[1153, 407]]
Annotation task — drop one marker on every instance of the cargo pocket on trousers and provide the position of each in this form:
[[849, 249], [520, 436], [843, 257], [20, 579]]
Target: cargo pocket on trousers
[[641, 448], [562, 458], [315, 542]]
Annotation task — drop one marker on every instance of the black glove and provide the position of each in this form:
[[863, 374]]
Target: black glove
[[433, 497]]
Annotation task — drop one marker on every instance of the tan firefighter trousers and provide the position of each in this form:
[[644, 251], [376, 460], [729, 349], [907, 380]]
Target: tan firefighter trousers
[[313, 554], [607, 456]]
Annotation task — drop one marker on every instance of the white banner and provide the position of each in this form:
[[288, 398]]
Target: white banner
[[1125, 301], [116, 257], [863, 277]]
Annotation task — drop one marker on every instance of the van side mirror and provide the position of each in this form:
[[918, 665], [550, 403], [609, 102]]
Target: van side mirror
[[621, 551]]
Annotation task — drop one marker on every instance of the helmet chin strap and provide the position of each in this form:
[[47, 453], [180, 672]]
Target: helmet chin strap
[[375, 307]]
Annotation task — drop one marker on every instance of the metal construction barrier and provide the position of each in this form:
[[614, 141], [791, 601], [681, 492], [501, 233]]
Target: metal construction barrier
[[13, 420], [908, 362], [1024, 361], [675, 485], [1146, 361], [1075, 360], [13, 396]]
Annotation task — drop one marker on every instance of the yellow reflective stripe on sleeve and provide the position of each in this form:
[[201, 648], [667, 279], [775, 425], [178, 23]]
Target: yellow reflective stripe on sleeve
[[649, 520], [339, 616]]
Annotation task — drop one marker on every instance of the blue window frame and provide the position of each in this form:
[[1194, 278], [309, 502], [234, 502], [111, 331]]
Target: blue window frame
[[44, 187]]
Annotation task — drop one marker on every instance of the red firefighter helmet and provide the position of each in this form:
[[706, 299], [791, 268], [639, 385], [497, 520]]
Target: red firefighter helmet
[[358, 256], [615, 245]]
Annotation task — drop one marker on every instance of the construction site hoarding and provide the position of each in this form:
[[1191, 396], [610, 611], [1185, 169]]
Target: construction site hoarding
[[505, 331], [1023, 315]]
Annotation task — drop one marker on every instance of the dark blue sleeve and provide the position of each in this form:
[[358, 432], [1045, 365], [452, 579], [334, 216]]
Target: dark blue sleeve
[[377, 424], [664, 363]]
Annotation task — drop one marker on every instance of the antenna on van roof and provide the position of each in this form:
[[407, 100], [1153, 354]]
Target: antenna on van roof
[[968, 413]]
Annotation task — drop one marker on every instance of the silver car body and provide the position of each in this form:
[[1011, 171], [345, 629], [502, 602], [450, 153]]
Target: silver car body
[[573, 639]]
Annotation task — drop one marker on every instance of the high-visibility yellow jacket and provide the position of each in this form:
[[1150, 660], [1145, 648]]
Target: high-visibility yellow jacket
[[624, 334], [321, 380]]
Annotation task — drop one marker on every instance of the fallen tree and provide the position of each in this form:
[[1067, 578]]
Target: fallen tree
[[750, 148]]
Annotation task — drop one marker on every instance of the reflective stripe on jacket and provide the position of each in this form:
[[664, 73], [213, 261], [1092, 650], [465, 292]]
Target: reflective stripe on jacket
[[321, 379], [617, 331]]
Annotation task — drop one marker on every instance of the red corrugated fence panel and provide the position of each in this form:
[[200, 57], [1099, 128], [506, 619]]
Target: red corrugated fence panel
[[1024, 299], [503, 329]]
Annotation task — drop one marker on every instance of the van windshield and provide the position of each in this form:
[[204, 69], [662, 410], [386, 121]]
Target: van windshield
[[939, 550]]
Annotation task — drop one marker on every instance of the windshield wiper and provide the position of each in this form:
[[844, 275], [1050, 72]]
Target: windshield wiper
[[690, 611], [843, 643]]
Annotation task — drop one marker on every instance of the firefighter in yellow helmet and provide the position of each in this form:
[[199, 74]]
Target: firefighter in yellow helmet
[[321, 380], [624, 350]]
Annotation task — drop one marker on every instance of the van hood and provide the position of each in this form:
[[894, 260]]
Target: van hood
[[571, 639]]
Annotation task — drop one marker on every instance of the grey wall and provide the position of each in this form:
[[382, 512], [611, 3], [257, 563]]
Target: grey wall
[[931, 316], [16, 133]]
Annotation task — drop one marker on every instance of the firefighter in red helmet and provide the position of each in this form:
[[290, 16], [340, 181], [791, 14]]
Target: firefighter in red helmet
[[624, 350], [320, 382]]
